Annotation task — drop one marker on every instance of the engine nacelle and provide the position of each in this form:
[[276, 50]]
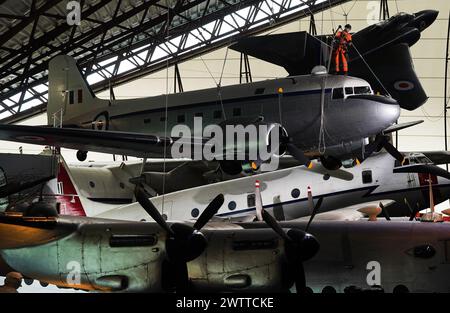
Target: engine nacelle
[[248, 144]]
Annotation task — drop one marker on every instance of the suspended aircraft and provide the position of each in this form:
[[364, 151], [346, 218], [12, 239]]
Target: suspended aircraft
[[297, 108]]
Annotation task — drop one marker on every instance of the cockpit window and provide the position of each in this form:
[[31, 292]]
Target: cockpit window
[[348, 91], [338, 93], [362, 90]]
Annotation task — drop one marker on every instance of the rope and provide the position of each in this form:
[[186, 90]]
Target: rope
[[370, 69], [165, 120]]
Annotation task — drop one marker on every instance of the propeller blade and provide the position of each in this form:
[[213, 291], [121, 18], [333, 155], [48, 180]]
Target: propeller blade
[[209, 212], [258, 201], [298, 155], [314, 212], [385, 212], [181, 276], [299, 277], [371, 147], [393, 151], [148, 206], [274, 225]]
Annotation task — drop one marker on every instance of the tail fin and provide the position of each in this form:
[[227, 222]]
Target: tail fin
[[69, 93]]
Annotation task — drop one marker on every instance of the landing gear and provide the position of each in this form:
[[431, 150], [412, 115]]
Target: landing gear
[[330, 163], [81, 155]]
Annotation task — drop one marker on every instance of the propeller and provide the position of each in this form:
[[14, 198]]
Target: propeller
[[381, 141], [413, 211], [299, 245], [184, 243], [298, 155], [385, 212]]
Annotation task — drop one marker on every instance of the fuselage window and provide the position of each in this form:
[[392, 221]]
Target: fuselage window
[[80, 95], [181, 118], [71, 97], [195, 212], [295, 193], [367, 177], [251, 202], [232, 205], [338, 93], [362, 90], [237, 112]]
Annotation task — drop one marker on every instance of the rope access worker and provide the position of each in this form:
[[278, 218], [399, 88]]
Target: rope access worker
[[342, 42]]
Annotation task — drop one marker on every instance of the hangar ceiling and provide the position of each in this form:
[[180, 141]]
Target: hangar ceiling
[[121, 40]]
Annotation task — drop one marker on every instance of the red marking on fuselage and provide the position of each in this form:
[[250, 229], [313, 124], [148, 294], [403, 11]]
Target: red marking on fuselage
[[70, 202]]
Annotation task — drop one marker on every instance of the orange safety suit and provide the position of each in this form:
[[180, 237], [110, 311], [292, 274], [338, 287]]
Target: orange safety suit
[[343, 39]]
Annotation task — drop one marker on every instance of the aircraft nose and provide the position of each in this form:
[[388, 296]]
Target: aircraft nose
[[425, 18], [388, 111]]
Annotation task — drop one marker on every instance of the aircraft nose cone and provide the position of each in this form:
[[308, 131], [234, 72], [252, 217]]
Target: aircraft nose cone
[[389, 112], [425, 18]]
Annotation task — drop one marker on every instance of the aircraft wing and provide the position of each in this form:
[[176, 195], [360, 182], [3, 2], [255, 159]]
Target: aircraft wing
[[350, 213], [122, 143]]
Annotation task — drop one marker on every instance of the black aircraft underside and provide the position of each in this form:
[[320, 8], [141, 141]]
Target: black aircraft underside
[[384, 47]]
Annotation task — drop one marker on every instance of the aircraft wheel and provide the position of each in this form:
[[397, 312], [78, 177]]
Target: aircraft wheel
[[330, 163], [400, 289], [81, 155], [328, 289]]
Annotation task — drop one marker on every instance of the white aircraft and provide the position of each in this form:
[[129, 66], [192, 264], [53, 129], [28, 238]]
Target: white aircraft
[[107, 191]]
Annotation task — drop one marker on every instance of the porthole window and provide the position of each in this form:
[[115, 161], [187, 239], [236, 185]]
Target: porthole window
[[92, 184], [195, 212], [232, 205], [295, 193]]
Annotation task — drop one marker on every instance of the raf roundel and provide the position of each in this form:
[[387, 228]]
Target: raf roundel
[[403, 85]]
